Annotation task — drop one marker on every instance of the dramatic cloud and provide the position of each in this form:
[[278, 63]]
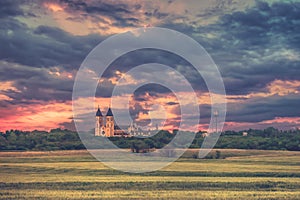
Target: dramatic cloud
[[258, 46], [254, 43], [36, 83], [43, 46], [10, 8]]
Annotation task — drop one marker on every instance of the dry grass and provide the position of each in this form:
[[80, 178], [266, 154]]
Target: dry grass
[[76, 175]]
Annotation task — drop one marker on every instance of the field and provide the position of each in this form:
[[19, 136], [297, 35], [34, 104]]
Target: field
[[242, 174]]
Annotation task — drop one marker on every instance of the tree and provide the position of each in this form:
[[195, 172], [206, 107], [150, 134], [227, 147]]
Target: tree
[[218, 155]]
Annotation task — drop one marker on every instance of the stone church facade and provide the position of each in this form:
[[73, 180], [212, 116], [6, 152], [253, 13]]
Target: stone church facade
[[105, 126]]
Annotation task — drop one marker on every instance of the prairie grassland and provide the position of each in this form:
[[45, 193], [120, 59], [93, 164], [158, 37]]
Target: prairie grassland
[[243, 174]]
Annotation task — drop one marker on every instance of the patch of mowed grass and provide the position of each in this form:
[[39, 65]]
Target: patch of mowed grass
[[156, 185], [31, 178], [176, 169], [48, 159], [261, 175], [141, 194]]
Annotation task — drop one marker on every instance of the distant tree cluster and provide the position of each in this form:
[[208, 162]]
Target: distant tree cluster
[[267, 139], [57, 139], [143, 145]]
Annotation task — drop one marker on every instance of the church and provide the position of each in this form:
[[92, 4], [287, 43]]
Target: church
[[105, 126]]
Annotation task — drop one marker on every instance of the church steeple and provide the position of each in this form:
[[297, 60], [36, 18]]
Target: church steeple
[[110, 124], [99, 123], [105, 126], [109, 112], [99, 113]]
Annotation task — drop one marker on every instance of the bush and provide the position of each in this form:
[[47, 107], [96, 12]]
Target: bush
[[218, 155]]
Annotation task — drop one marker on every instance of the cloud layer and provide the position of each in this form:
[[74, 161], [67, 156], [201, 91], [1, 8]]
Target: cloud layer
[[255, 45]]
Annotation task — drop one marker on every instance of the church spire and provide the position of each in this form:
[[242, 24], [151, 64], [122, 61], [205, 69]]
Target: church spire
[[98, 113], [109, 112]]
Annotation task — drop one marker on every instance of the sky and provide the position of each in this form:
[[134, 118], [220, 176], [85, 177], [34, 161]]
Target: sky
[[255, 45]]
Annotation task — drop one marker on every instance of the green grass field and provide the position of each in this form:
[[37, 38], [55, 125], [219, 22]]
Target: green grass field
[[243, 174]]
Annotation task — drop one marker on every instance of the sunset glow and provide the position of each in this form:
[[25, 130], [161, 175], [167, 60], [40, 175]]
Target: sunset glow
[[255, 45]]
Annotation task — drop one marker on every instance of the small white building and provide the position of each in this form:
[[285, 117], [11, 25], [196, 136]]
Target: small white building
[[245, 134], [205, 135]]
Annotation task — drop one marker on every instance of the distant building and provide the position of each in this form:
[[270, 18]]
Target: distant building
[[205, 134], [245, 134], [134, 130], [105, 126]]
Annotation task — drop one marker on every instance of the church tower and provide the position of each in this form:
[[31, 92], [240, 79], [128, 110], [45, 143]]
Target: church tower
[[110, 124], [99, 128]]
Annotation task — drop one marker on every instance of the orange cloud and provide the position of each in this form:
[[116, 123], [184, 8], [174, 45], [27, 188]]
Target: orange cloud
[[53, 7], [283, 88], [38, 115], [78, 23], [277, 87], [58, 73], [291, 120], [8, 85], [278, 122], [4, 97]]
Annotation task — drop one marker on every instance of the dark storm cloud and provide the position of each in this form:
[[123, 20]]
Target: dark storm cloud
[[139, 57], [249, 47], [107, 8], [10, 8], [244, 80], [124, 15], [121, 13], [262, 25], [96, 6], [250, 52], [259, 25], [252, 44], [30, 54], [105, 88], [34, 84], [152, 90], [156, 14], [148, 97], [256, 110], [260, 109], [43, 46], [172, 103]]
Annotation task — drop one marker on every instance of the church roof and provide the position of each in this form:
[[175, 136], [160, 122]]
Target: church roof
[[98, 113], [109, 112]]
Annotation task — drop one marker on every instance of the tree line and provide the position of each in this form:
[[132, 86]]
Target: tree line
[[58, 139]]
